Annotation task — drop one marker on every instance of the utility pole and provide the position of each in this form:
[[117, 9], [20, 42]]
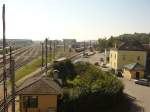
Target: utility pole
[[4, 62], [90, 44], [10, 58], [12, 75], [84, 48], [64, 46], [13, 91], [50, 47], [46, 54], [54, 49], [42, 55]]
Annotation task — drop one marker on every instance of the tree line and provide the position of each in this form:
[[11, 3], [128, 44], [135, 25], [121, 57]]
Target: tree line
[[106, 43]]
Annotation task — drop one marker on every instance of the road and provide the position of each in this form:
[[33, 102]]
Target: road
[[140, 93]]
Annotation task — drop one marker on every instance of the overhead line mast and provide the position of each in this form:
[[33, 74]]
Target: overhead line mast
[[4, 62]]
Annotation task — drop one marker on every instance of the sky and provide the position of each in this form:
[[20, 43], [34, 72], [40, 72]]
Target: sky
[[79, 19]]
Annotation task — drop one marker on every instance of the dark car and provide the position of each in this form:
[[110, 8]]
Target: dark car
[[96, 63], [144, 82]]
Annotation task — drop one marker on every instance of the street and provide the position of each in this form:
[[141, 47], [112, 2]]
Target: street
[[139, 92]]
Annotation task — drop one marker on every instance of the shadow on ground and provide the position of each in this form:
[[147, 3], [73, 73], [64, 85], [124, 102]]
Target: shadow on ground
[[134, 105], [129, 104]]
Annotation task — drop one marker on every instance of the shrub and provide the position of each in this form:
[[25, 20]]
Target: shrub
[[66, 70], [93, 90]]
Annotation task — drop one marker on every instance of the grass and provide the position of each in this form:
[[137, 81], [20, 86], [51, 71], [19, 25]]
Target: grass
[[27, 69], [36, 63]]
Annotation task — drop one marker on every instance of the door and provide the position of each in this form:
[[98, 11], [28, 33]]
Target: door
[[137, 75]]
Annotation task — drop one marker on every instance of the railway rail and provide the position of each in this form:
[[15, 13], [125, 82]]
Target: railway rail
[[22, 57], [9, 98]]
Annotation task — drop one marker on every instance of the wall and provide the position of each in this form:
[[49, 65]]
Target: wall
[[132, 74], [113, 57], [127, 74], [44, 101], [126, 57]]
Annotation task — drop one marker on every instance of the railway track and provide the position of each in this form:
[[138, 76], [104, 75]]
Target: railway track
[[22, 57], [9, 98]]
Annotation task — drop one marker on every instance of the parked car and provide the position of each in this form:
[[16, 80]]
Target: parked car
[[96, 63], [144, 82], [104, 65]]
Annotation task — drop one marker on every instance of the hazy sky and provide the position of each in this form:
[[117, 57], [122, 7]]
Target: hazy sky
[[80, 19]]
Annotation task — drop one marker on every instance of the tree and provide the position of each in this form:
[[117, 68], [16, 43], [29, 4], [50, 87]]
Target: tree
[[66, 69], [92, 90]]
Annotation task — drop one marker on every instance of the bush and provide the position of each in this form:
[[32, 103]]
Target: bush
[[66, 70], [93, 90]]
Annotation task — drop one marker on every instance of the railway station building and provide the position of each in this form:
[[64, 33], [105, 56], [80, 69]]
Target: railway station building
[[40, 94]]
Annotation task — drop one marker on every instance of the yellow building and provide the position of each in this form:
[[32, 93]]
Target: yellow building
[[133, 71], [39, 95], [128, 53]]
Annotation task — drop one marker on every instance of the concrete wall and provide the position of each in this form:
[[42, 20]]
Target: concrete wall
[[44, 102]]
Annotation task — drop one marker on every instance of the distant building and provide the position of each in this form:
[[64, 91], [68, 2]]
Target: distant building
[[17, 42], [69, 42], [39, 94], [127, 53]]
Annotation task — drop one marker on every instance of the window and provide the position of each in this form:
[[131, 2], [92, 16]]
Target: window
[[30, 101], [138, 58]]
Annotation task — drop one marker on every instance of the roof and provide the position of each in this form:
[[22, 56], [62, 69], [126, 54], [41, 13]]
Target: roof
[[134, 66], [39, 85], [131, 45]]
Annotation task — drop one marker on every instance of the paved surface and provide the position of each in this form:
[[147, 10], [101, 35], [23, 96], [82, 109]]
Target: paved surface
[[139, 92], [91, 59]]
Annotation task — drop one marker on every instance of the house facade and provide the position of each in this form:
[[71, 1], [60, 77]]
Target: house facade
[[133, 71], [39, 95], [128, 53]]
